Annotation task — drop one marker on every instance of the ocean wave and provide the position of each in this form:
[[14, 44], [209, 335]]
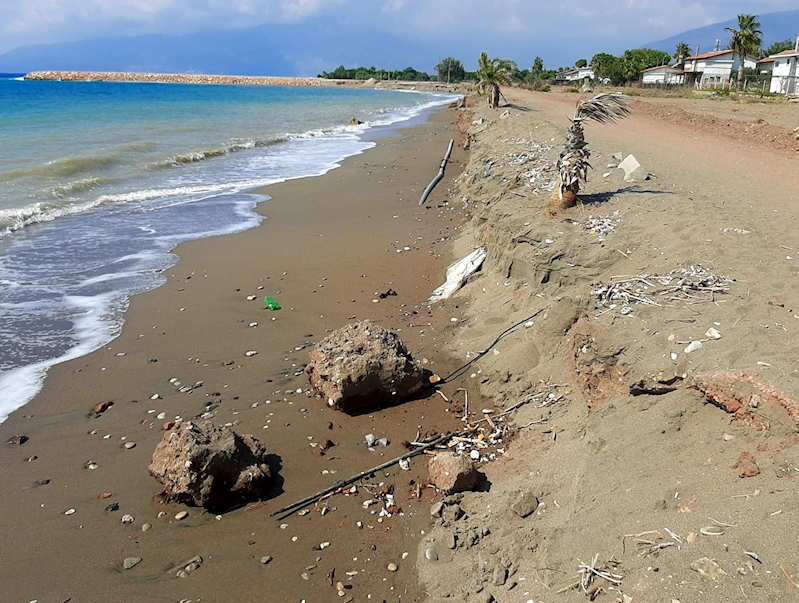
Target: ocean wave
[[196, 156], [12, 220], [77, 186], [64, 167]]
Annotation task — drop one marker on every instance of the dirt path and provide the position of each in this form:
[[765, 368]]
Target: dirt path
[[675, 468]]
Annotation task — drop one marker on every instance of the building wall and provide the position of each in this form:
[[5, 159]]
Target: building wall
[[785, 75]]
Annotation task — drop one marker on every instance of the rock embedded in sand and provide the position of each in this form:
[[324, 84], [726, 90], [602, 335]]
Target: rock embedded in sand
[[131, 562], [212, 467], [452, 473], [17, 440], [363, 366], [746, 465], [524, 503]]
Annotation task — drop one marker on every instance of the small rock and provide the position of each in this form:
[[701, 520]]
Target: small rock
[[435, 510], [126, 519], [182, 515], [452, 473], [452, 513], [693, 346], [266, 559], [450, 541], [392, 567], [131, 562], [17, 440], [746, 465], [102, 407], [69, 512], [431, 555], [524, 503], [147, 527], [130, 445], [251, 353]]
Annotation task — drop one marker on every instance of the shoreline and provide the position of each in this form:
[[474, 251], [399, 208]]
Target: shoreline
[[26, 378], [303, 255]]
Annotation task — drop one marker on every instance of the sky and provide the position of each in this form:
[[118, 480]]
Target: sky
[[501, 27]]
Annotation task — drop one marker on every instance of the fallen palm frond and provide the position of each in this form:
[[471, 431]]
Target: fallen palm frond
[[692, 284], [589, 572]]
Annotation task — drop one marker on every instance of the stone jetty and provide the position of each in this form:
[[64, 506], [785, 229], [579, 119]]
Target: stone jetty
[[180, 78]]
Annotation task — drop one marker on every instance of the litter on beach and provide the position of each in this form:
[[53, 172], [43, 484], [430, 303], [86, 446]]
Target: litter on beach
[[458, 273]]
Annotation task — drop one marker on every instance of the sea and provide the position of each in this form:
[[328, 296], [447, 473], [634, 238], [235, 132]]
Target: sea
[[100, 181]]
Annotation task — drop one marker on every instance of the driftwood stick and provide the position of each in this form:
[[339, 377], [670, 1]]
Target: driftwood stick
[[439, 176], [343, 484]]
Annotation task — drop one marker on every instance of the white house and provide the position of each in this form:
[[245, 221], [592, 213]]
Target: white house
[[714, 69], [663, 75], [785, 75], [576, 76]]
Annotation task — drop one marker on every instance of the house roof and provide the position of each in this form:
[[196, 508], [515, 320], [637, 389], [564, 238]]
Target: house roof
[[675, 69], [710, 55], [785, 53]]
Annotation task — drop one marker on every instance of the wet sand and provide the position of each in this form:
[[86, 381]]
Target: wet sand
[[328, 245]]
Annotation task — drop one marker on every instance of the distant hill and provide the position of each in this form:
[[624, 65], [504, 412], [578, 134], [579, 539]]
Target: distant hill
[[290, 49], [776, 27]]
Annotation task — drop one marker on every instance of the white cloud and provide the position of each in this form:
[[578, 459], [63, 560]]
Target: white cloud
[[456, 22]]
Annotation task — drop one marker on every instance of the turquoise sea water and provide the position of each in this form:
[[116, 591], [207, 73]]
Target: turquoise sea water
[[100, 181]]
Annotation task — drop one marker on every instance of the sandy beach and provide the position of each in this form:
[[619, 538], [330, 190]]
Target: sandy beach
[[652, 453], [328, 247]]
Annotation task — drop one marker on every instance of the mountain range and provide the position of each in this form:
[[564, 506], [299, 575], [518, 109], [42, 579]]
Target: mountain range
[[313, 46], [776, 27]]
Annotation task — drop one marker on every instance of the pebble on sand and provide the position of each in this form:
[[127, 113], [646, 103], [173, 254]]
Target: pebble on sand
[[131, 562], [130, 445], [266, 559], [182, 515], [147, 527], [392, 567]]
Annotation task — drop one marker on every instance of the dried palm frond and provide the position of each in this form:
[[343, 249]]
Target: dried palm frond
[[604, 108]]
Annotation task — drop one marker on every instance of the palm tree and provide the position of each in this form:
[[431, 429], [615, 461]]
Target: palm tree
[[493, 73], [683, 51], [745, 40], [573, 163]]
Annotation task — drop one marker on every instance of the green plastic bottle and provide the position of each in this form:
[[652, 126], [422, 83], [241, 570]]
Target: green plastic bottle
[[271, 303]]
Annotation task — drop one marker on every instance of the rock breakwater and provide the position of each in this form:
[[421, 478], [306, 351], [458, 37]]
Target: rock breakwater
[[178, 78]]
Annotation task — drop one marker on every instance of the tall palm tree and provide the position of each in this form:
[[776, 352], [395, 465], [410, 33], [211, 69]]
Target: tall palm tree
[[573, 163], [745, 40], [683, 51], [493, 73]]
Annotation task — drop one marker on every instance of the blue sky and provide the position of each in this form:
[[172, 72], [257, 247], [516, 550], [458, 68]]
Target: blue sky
[[503, 27]]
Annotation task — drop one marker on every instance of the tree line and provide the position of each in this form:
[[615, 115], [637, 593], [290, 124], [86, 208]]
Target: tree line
[[746, 39]]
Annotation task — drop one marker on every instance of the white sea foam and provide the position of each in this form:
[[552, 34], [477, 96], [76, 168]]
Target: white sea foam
[[92, 330]]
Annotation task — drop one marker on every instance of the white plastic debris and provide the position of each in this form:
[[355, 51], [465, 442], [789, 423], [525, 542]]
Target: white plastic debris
[[458, 273]]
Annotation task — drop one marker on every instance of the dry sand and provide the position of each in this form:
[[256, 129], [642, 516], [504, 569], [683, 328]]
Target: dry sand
[[329, 244], [631, 474]]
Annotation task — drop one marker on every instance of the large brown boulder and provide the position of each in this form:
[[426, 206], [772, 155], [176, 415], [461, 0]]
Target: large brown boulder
[[363, 366], [212, 467]]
